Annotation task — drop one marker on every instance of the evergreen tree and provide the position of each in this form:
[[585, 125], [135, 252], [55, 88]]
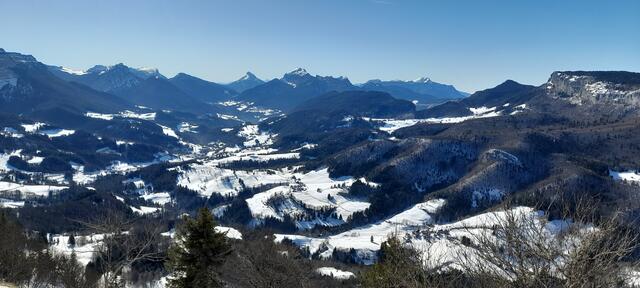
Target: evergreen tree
[[197, 252], [72, 241], [398, 266]]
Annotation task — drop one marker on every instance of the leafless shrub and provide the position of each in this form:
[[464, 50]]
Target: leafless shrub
[[123, 244], [521, 250]]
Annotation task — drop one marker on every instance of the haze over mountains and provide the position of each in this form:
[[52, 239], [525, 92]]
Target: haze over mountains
[[315, 166], [292, 88]]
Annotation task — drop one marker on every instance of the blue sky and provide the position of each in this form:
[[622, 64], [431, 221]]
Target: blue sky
[[472, 44]]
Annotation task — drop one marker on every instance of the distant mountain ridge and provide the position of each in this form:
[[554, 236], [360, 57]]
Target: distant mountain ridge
[[423, 90], [202, 90], [248, 81], [107, 78], [147, 87], [27, 86], [294, 88]]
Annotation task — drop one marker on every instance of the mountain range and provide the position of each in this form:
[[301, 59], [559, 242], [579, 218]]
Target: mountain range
[[423, 90], [324, 165]]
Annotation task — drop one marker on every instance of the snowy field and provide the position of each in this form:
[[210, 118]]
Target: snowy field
[[255, 137], [391, 125], [85, 248], [8, 203], [443, 246], [124, 114], [208, 179], [30, 190], [335, 273], [629, 176], [366, 240]]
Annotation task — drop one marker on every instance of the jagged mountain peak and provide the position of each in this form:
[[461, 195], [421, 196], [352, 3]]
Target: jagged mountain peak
[[298, 72], [248, 81], [424, 90], [423, 79], [142, 72], [248, 76]]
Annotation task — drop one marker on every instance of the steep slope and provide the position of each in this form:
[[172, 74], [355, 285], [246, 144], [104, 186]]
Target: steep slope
[[505, 97], [610, 94], [246, 82], [27, 86], [294, 88], [143, 87], [159, 93], [105, 78], [202, 90]]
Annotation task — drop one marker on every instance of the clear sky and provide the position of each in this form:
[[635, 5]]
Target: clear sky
[[472, 44]]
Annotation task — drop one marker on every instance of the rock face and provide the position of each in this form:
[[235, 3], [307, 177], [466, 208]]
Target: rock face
[[586, 88], [27, 86], [9, 60]]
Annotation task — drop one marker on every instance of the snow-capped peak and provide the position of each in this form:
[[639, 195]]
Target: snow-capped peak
[[99, 69], [298, 72], [146, 72], [143, 72], [73, 71], [422, 80]]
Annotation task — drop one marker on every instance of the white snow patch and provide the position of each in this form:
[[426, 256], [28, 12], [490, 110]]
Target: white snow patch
[[230, 232], [228, 117], [255, 137], [35, 160], [629, 176], [99, 116], [367, 239], [52, 133], [84, 253], [73, 71], [12, 204], [168, 131], [143, 210], [305, 146], [30, 128], [335, 273], [187, 127], [208, 179], [160, 198], [30, 190], [143, 116], [11, 132], [391, 125], [482, 110]]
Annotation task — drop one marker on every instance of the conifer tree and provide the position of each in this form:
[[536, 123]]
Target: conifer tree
[[398, 266], [197, 252], [72, 241]]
